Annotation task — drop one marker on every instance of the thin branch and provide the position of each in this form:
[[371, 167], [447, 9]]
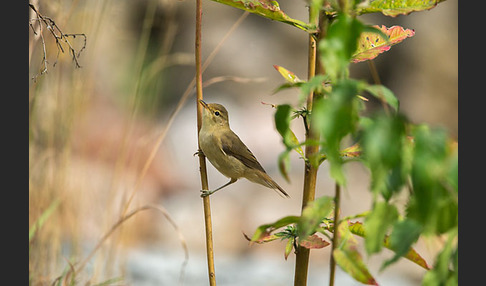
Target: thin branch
[[60, 38]]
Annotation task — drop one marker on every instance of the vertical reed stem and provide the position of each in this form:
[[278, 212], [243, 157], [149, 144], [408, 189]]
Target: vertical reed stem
[[310, 172], [202, 158], [332, 264]]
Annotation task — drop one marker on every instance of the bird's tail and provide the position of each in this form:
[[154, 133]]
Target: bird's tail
[[272, 184], [282, 192]]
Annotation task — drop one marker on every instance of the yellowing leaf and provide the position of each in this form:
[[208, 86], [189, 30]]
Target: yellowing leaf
[[348, 257], [268, 9], [287, 75], [394, 8], [351, 261], [371, 44], [357, 229]]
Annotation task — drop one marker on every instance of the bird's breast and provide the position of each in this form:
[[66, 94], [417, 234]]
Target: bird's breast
[[225, 164]]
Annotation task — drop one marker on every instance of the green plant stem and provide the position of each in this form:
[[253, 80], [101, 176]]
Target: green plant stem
[[202, 158], [310, 173], [332, 264]]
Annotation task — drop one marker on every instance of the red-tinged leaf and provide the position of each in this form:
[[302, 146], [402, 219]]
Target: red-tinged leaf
[[357, 229], [265, 237], [263, 230], [313, 242], [394, 8], [287, 75], [371, 44], [268, 9], [352, 263], [411, 255]]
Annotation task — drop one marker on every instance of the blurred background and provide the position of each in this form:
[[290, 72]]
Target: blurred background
[[92, 130]]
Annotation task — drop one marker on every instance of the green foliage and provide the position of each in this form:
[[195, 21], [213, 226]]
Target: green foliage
[[377, 224], [445, 268], [398, 154], [313, 214], [384, 94], [405, 233], [434, 202], [348, 257], [384, 142], [335, 117], [339, 45]]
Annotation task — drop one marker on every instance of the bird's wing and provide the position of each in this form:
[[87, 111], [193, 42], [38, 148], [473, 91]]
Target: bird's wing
[[233, 146]]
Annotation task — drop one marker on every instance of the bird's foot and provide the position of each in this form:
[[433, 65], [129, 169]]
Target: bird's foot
[[205, 193], [199, 152]]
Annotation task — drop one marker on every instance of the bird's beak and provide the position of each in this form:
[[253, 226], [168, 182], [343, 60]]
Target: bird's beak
[[204, 104]]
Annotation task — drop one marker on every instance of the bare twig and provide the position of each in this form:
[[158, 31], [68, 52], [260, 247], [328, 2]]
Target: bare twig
[[60, 38]]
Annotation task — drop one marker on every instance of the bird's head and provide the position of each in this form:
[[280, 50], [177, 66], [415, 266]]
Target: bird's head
[[214, 114]]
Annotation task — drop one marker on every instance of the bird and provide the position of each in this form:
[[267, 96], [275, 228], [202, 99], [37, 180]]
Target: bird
[[227, 153]]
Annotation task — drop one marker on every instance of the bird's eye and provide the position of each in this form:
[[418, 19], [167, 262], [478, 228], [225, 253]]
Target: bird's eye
[[216, 113]]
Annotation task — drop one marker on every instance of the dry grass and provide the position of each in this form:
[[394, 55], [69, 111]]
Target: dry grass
[[82, 172]]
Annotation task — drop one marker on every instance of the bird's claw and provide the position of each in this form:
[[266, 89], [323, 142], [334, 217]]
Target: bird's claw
[[205, 193], [199, 152]]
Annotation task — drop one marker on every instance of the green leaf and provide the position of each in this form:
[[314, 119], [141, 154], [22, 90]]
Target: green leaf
[[377, 224], [383, 93], [383, 143], [352, 263], [394, 8], [348, 257], [284, 164], [268, 9], [340, 43], [288, 247], [434, 202], [313, 214], [335, 117], [357, 228], [404, 234], [264, 229], [316, 84], [373, 43], [282, 123]]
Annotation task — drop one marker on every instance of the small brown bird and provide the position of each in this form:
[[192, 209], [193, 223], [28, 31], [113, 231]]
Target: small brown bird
[[228, 154]]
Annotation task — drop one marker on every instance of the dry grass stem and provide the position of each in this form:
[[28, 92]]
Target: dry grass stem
[[115, 226]]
